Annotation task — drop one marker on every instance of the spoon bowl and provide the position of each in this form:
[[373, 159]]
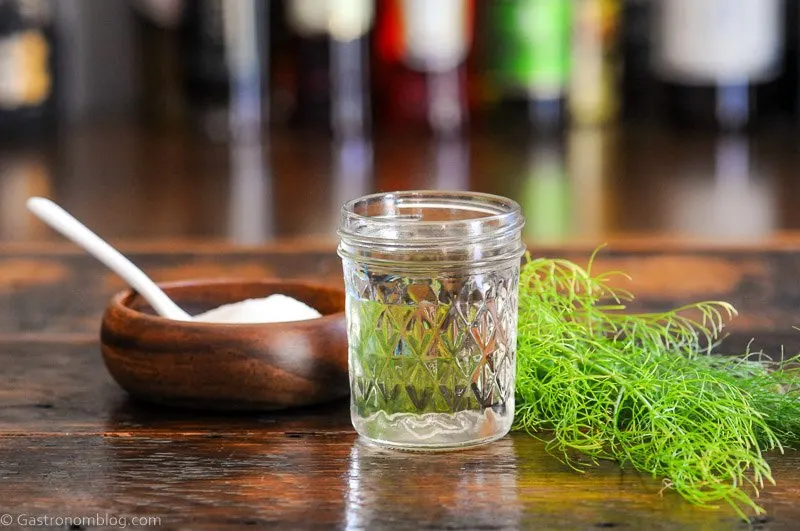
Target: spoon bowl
[[214, 366]]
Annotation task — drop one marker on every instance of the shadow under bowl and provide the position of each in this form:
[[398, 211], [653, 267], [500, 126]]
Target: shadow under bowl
[[228, 366]]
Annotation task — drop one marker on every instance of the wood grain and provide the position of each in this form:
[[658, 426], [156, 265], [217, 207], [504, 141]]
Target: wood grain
[[762, 282], [300, 480], [59, 388], [72, 440]]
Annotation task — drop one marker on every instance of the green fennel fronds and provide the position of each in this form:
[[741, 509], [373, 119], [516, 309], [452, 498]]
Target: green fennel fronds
[[641, 389]]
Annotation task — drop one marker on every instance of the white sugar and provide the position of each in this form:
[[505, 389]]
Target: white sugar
[[272, 309]]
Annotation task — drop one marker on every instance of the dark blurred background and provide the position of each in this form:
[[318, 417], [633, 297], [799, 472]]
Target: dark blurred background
[[252, 120]]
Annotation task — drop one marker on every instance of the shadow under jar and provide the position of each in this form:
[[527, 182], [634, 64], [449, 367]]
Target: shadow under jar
[[432, 283]]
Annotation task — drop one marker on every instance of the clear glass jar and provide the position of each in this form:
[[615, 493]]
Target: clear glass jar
[[432, 283]]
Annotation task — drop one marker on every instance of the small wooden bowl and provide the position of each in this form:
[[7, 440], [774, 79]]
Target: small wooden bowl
[[228, 366]]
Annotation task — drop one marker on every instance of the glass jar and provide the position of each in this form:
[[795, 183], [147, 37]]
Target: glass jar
[[432, 282]]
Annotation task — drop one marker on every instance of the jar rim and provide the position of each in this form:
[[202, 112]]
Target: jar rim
[[419, 227], [493, 209]]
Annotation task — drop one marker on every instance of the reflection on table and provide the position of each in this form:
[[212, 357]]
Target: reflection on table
[[589, 185]]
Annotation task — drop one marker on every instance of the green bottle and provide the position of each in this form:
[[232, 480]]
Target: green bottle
[[531, 55]]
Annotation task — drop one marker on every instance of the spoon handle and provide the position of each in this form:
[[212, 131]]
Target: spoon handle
[[60, 220]]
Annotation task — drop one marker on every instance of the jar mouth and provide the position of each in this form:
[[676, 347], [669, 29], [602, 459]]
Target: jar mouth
[[428, 215], [431, 227]]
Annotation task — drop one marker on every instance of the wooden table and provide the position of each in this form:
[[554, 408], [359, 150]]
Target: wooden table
[[73, 444]]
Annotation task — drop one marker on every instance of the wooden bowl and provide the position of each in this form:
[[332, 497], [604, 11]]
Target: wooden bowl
[[228, 366]]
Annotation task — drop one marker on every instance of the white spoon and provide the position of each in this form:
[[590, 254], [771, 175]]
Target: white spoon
[[60, 220]]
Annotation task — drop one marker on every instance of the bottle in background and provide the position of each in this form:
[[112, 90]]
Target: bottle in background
[[593, 87], [482, 92], [641, 91], [308, 22], [281, 69], [532, 41], [27, 105], [158, 45], [349, 27], [399, 92], [246, 52], [330, 40], [225, 62], [205, 68], [794, 53], [712, 53], [437, 37], [778, 101], [420, 71]]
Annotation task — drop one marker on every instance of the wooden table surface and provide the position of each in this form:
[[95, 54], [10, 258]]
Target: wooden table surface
[[72, 443]]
